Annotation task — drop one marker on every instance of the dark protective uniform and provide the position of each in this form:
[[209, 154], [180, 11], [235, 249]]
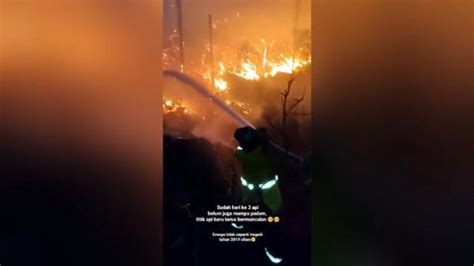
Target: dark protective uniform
[[259, 180]]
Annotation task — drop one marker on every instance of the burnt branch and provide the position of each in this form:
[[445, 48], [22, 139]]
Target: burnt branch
[[297, 101], [286, 111]]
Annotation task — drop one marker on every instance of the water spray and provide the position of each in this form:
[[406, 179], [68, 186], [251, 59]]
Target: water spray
[[202, 89]]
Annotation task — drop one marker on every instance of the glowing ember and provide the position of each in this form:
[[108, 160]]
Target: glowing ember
[[220, 84], [221, 69], [169, 103], [171, 106]]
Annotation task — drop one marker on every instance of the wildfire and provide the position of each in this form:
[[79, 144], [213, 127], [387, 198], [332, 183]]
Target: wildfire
[[255, 61], [248, 71], [260, 62], [170, 106]]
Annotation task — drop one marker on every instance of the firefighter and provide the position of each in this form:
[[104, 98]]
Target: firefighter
[[259, 180]]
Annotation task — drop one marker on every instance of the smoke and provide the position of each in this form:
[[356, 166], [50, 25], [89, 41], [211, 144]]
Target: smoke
[[237, 20], [207, 116], [201, 89]]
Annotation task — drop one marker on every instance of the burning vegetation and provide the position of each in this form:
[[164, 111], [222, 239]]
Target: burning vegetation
[[247, 73]]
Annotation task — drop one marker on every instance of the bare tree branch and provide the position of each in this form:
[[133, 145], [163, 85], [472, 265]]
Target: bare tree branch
[[281, 127], [297, 101], [290, 82]]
